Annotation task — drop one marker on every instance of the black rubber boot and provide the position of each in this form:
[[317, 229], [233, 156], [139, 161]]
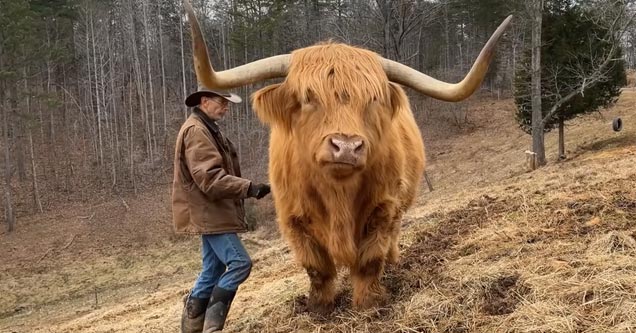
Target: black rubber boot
[[218, 308], [193, 314]]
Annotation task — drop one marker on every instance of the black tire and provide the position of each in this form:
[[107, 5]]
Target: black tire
[[617, 125]]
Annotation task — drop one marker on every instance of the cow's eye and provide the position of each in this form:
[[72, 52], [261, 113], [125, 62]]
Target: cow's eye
[[309, 102], [309, 97], [343, 97], [308, 107], [373, 103]]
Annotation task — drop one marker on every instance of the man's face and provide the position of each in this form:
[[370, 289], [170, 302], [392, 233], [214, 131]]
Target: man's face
[[214, 107]]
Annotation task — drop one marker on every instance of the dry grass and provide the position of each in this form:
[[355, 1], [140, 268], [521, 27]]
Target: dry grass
[[496, 249], [492, 249], [497, 265]]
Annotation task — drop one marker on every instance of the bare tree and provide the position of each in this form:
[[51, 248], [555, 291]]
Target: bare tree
[[97, 96], [36, 193], [163, 78], [9, 215], [151, 96], [538, 140], [183, 73]]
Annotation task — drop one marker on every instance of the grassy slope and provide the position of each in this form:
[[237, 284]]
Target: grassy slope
[[491, 249]]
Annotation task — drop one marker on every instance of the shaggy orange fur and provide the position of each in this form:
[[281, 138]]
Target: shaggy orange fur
[[333, 216]]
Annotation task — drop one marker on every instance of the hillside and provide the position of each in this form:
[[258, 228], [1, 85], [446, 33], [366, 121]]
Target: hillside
[[492, 249]]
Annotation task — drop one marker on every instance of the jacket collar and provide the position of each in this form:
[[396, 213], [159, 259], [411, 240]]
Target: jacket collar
[[209, 123]]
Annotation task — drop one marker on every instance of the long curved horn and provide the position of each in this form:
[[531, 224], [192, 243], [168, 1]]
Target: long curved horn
[[259, 70], [441, 90]]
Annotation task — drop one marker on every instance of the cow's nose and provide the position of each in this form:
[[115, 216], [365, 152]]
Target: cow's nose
[[347, 149]]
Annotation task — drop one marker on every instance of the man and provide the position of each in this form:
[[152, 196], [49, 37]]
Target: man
[[207, 200]]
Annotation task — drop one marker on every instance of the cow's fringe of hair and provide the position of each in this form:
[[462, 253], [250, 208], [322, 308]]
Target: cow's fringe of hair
[[366, 82]]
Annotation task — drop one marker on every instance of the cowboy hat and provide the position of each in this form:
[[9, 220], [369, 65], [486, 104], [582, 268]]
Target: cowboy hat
[[194, 99]]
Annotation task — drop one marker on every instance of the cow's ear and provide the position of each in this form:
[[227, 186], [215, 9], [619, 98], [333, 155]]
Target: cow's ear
[[399, 101], [274, 105]]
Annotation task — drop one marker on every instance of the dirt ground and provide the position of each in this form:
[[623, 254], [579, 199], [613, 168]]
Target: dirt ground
[[492, 249]]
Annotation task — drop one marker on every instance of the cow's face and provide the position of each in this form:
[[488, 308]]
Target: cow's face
[[333, 111]]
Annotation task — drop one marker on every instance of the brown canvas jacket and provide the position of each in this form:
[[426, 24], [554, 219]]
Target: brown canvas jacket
[[207, 190]]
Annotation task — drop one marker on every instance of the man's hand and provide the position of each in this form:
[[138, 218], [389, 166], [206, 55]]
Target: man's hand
[[258, 191]]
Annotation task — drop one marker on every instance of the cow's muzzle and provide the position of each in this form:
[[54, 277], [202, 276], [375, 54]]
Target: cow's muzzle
[[342, 150]]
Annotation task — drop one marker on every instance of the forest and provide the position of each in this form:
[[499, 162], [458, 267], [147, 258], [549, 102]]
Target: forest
[[91, 92]]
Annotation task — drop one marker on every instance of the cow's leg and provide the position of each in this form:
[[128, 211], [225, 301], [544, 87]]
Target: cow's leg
[[407, 197], [373, 250], [393, 256], [394, 250], [318, 264], [322, 291]]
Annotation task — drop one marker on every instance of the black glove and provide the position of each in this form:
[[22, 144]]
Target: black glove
[[258, 191]]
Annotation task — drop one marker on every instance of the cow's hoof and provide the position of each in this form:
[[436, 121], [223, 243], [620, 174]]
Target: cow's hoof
[[393, 258], [371, 300], [322, 309]]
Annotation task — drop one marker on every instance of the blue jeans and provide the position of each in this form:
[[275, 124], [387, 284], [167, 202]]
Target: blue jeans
[[226, 264]]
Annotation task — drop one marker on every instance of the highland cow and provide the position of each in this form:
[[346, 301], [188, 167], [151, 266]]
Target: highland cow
[[345, 153]]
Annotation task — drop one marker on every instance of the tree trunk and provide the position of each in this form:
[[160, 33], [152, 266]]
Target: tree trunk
[[447, 39], [108, 130], [514, 65], [420, 50], [115, 148], [141, 87], [385, 9], [538, 143], [561, 140], [52, 141], [153, 132], [88, 89], [8, 203], [183, 76], [36, 193], [132, 143], [428, 182], [65, 138], [163, 83], [19, 132], [98, 101]]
